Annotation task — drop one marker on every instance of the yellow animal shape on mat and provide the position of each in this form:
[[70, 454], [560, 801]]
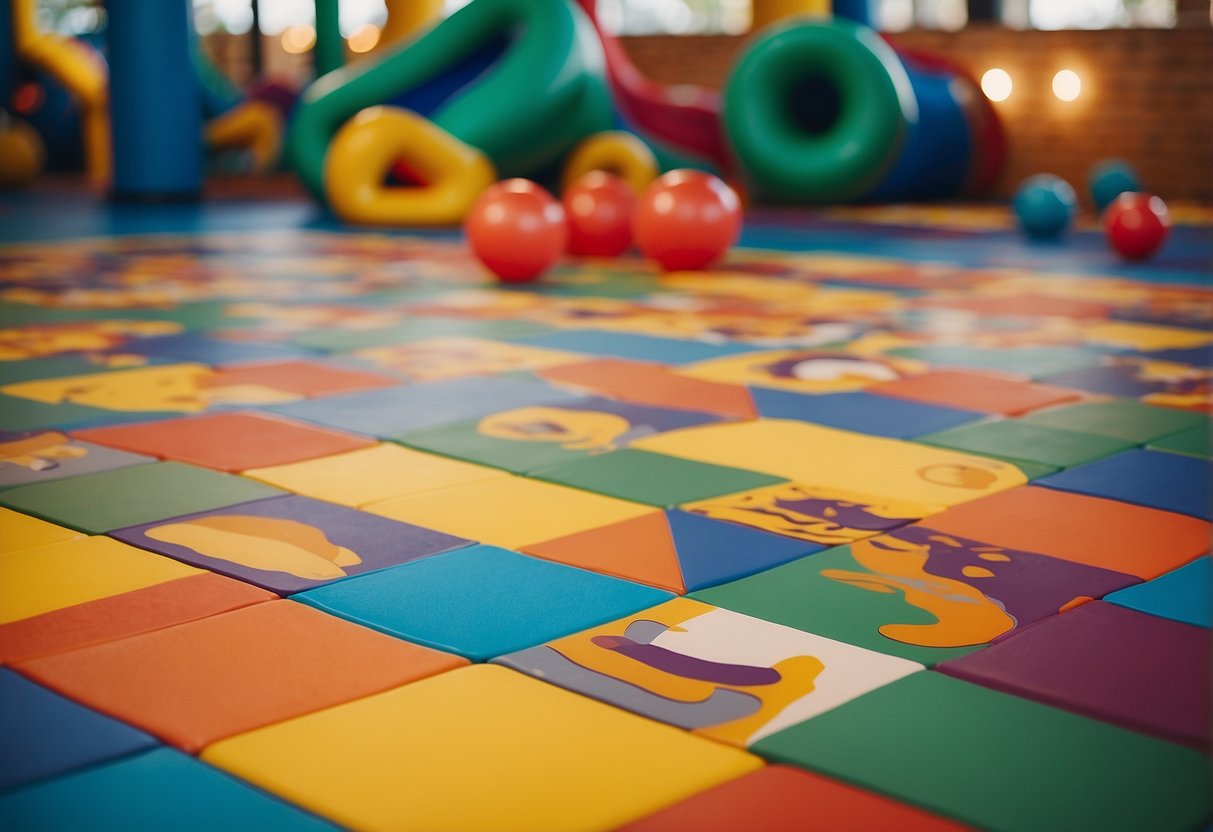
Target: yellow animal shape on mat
[[267, 543], [40, 452], [819, 515], [178, 388], [779, 686], [958, 476], [40, 340], [573, 430], [965, 615]]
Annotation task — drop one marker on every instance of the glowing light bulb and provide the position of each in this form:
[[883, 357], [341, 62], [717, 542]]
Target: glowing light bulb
[[996, 84], [1067, 85]]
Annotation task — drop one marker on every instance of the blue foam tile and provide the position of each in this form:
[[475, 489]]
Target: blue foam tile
[[40, 456], [862, 412], [192, 347], [396, 410], [482, 601], [634, 347], [1033, 362], [1171, 482], [711, 552], [43, 734], [151, 792], [1184, 594]]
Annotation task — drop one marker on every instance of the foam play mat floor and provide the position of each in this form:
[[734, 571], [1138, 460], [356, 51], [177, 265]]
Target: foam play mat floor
[[889, 521]]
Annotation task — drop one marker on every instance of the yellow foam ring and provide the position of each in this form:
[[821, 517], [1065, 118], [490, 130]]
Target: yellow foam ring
[[362, 151], [255, 126], [765, 12], [614, 151], [405, 19], [81, 72], [21, 155]]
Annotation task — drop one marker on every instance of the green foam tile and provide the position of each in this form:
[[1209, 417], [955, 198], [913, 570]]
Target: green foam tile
[[1195, 441], [1124, 419], [1017, 441]]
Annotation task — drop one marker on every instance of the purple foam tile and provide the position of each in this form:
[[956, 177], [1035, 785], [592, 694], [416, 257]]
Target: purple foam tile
[[1101, 660], [289, 544]]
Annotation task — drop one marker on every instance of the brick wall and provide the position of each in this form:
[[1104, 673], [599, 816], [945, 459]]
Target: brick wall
[[1147, 96]]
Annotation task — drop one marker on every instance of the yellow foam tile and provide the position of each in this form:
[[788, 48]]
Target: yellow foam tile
[[479, 748], [829, 458], [59, 575], [1147, 337], [509, 511], [372, 474], [20, 531]]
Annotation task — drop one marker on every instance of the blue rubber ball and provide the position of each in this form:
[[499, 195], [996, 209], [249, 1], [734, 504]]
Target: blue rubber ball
[[1045, 206], [1111, 178]]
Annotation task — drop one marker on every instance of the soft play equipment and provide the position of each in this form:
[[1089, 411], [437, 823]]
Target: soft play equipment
[[827, 111], [1136, 224], [1111, 178], [405, 19], [73, 65], [157, 101], [541, 88], [21, 153], [617, 152], [680, 123]]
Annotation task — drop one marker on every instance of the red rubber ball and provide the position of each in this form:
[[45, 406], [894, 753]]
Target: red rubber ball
[[1137, 224], [517, 229], [599, 207], [687, 219]]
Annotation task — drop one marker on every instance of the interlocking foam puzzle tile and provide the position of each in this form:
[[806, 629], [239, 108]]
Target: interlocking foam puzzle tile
[[1030, 362], [809, 371], [1183, 594], [1145, 337], [916, 593], [204, 349], [998, 761], [98, 503], [390, 412], [482, 601], [58, 575], [1171, 482], [1122, 419], [161, 789], [1018, 441], [20, 414], [123, 614], [65, 365], [195, 683], [1135, 670], [415, 329], [373, 474], [527, 439], [1136, 540], [716, 673], [20, 531], [28, 339], [1156, 382], [862, 412], [436, 359], [654, 385], [44, 734], [287, 544], [786, 799], [1194, 441], [823, 516], [673, 550], [229, 442], [43, 455], [632, 346], [828, 458], [509, 511], [976, 391], [653, 478], [479, 748]]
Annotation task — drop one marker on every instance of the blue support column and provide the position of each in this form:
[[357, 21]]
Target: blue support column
[[155, 101]]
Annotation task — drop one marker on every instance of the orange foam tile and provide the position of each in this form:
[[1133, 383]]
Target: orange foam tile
[[1109, 534], [199, 682], [127, 614], [231, 442], [638, 382], [785, 799], [641, 549], [976, 391]]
